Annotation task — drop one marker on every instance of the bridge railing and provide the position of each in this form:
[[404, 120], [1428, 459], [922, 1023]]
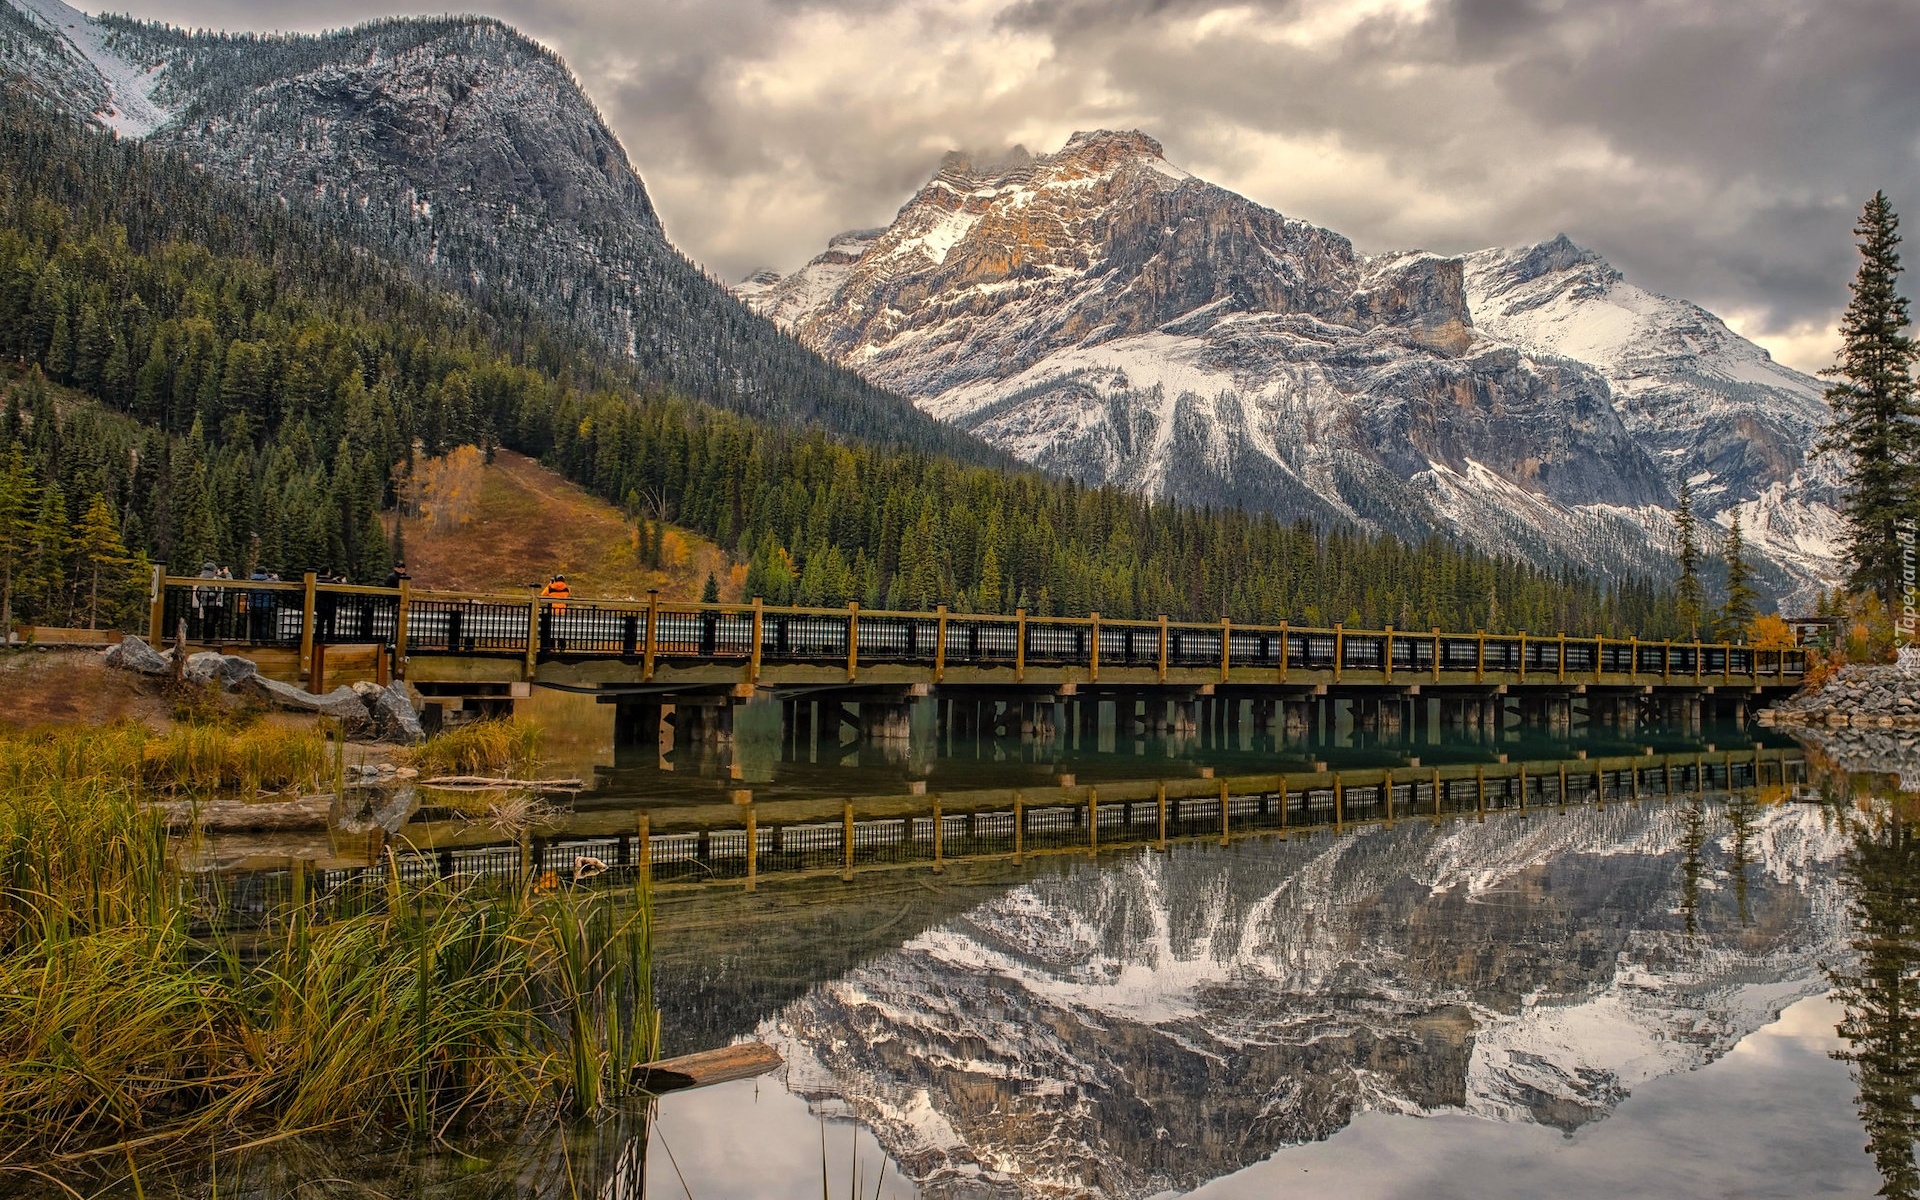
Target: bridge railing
[[310, 613]]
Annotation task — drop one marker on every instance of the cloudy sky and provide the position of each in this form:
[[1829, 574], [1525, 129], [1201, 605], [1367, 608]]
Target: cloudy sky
[[1713, 149]]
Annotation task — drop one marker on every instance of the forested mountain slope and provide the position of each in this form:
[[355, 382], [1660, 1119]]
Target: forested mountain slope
[[260, 382], [468, 150]]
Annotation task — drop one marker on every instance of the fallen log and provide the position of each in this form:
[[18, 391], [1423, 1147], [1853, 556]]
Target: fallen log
[[482, 781], [708, 1067], [238, 816]]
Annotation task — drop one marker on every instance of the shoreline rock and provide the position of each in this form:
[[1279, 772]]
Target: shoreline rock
[[366, 710], [1861, 696]]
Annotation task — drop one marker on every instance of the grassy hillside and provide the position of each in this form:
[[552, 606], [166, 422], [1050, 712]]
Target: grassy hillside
[[529, 522]]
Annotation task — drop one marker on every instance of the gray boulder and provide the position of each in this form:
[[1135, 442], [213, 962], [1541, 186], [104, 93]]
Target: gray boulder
[[391, 709], [342, 703], [133, 654], [228, 670]]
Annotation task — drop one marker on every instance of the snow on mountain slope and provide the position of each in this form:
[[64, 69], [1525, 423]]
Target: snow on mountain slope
[[1093, 1033], [1102, 313], [468, 149], [1712, 407], [46, 40]]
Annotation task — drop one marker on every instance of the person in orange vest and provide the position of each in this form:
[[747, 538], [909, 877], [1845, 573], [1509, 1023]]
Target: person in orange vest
[[557, 594]]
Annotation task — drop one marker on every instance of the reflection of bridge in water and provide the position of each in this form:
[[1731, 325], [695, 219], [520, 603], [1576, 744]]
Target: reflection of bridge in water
[[740, 845], [680, 670]]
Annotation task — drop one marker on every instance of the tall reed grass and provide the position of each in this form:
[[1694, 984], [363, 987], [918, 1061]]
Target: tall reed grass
[[480, 748], [126, 1021], [188, 757]]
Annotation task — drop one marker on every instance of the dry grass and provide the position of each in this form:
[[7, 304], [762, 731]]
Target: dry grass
[[530, 522], [411, 1007], [186, 758], [507, 749]]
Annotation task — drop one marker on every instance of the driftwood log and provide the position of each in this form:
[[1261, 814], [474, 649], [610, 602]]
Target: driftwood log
[[707, 1067], [483, 781], [236, 816]]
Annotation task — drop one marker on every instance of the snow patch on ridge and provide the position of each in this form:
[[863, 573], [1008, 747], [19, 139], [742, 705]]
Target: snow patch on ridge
[[131, 110]]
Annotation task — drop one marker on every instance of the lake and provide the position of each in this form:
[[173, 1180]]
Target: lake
[[1610, 988]]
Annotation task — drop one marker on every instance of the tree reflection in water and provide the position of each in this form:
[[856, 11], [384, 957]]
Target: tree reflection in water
[[1881, 991]]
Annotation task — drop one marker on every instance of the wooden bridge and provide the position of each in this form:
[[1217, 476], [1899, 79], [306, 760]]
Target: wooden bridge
[[1009, 672]]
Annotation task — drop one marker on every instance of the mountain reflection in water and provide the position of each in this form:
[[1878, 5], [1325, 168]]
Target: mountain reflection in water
[[1129, 1027]]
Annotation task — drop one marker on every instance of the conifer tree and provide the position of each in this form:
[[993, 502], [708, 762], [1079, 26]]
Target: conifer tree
[[1736, 615], [1874, 410], [1690, 598], [710, 594], [101, 553], [16, 531]]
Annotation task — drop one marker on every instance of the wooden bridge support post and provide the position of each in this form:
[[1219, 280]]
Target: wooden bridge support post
[[306, 632], [157, 606]]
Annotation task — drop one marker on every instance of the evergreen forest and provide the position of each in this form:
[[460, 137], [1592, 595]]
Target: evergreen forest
[[223, 379]]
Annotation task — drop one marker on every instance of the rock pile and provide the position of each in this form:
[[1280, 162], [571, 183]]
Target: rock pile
[[365, 710], [1860, 696]]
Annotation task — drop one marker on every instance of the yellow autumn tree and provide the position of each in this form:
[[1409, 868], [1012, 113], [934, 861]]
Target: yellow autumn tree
[[445, 491], [1769, 632]]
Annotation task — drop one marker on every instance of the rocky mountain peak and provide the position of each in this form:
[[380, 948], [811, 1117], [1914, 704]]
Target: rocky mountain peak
[[1560, 253], [1104, 149]]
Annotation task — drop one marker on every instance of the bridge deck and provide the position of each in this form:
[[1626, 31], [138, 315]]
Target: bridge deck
[[656, 645]]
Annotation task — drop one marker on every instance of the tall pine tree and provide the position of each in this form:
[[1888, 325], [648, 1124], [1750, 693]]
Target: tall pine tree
[[1736, 615], [1691, 600], [1874, 410]]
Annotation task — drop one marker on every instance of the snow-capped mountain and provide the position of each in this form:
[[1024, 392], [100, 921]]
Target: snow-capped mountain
[[1145, 1027], [1711, 407], [1101, 312], [465, 148]]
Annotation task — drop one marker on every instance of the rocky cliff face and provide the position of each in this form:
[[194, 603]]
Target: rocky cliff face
[[1708, 405], [1100, 312], [466, 148], [1150, 1026]]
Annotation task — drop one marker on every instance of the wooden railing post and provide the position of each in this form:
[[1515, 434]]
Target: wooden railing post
[[1283, 652], [1226, 647], [853, 640], [753, 661], [400, 629], [939, 643], [533, 632], [306, 629], [1563, 658], [1666, 660], [1339, 650], [1093, 648], [156, 607], [1696, 659], [1480, 657], [1386, 656], [653, 634], [1163, 647], [1020, 645], [1436, 653], [1523, 656]]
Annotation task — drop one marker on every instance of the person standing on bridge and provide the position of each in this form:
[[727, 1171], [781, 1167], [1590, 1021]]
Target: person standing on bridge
[[556, 593]]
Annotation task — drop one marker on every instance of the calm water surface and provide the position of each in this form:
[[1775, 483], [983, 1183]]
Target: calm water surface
[[1619, 999]]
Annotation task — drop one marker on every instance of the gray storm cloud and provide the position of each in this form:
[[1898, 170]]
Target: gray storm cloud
[[1713, 149]]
